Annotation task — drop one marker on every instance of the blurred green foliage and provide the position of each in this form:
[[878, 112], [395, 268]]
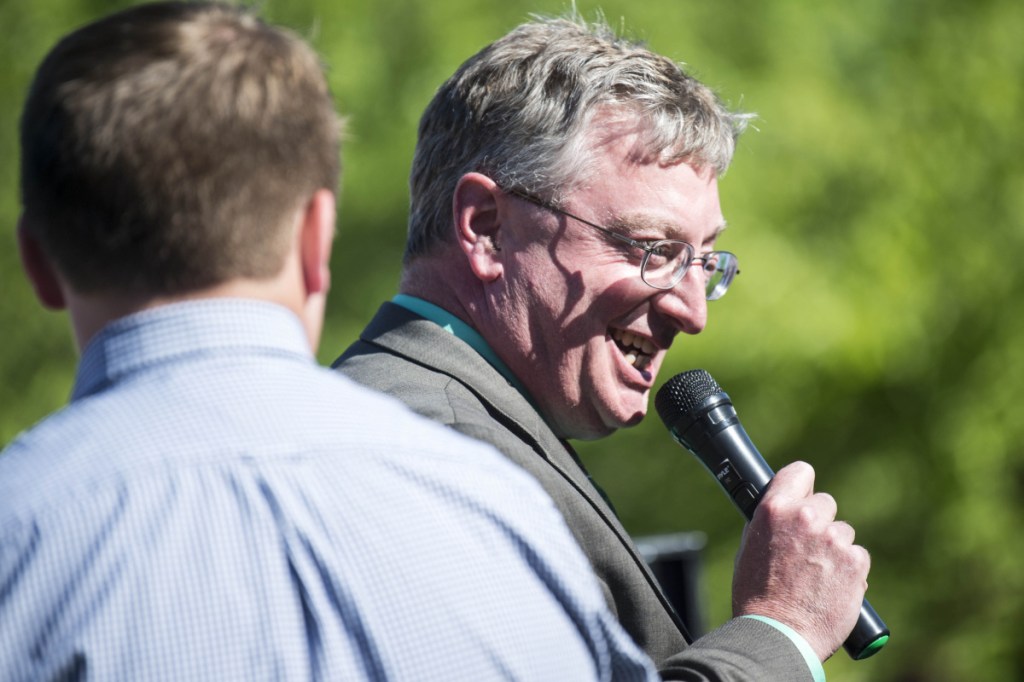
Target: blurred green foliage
[[877, 209]]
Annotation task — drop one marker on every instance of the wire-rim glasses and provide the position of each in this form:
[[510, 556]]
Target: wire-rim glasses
[[665, 261]]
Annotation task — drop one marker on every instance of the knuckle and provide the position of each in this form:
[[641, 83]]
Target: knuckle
[[863, 558], [771, 507], [803, 467], [807, 516], [827, 500], [800, 469], [839, 534], [843, 531]]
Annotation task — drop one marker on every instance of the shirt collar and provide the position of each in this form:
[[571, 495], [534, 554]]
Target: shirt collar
[[171, 331], [463, 331]]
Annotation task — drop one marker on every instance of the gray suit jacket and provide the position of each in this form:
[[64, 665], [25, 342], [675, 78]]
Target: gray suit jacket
[[441, 377]]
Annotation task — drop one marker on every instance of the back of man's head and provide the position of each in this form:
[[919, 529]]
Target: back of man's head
[[165, 148], [521, 109]]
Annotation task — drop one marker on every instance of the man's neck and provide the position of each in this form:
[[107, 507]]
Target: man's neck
[[438, 281]]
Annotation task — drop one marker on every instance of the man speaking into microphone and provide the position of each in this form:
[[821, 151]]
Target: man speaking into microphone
[[564, 226]]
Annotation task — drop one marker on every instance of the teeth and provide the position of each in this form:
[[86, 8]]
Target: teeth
[[636, 349], [629, 339]]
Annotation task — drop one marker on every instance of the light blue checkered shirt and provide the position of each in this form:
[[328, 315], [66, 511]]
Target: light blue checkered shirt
[[212, 505]]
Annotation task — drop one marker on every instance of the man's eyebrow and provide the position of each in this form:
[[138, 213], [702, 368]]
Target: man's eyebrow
[[718, 231], [638, 224]]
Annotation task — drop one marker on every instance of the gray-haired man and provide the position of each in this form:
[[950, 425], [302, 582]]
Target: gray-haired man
[[563, 230]]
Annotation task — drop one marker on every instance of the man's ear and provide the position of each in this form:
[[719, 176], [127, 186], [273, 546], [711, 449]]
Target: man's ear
[[39, 269], [317, 237], [475, 207]]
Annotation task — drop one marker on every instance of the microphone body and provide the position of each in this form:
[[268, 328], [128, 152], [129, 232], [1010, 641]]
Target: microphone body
[[700, 416]]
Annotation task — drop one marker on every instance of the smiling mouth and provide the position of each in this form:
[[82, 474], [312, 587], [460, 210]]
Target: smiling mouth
[[637, 350]]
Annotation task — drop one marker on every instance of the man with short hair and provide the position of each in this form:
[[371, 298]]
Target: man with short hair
[[563, 230], [201, 509]]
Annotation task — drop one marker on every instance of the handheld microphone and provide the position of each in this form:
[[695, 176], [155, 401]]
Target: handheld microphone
[[700, 416]]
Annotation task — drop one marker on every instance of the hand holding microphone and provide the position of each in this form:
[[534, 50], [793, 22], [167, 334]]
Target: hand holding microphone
[[796, 564]]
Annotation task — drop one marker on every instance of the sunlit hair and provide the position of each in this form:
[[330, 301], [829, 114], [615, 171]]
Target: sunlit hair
[[166, 147], [522, 111]]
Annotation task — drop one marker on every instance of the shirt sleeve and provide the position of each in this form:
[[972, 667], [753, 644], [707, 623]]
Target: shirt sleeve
[[813, 664]]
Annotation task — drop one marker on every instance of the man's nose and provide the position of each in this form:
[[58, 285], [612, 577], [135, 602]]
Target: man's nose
[[686, 303]]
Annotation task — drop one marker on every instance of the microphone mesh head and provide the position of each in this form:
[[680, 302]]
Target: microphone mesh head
[[683, 394]]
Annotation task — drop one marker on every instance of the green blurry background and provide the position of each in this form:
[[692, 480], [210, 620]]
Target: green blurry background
[[876, 330]]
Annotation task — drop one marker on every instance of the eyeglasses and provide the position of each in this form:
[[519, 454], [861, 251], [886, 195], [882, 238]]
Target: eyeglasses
[[665, 261]]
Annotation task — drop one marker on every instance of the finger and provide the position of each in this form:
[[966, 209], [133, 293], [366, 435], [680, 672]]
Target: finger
[[814, 514], [795, 481], [825, 505], [842, 533]]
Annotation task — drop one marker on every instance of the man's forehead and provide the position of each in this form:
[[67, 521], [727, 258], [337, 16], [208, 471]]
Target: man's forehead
[[621, 144], [679, 203]]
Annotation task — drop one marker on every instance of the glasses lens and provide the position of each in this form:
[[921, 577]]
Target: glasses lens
[[720, 268], [665, 263]]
